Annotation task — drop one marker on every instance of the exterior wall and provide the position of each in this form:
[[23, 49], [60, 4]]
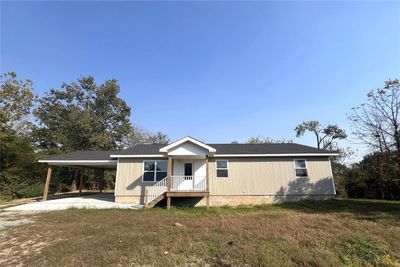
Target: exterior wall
[[129, 187], [271, 176], [250, 180]]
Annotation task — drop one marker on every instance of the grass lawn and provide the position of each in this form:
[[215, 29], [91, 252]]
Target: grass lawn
[[326, 233]]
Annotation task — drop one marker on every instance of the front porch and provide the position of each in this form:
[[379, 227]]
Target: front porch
[[186, 177]]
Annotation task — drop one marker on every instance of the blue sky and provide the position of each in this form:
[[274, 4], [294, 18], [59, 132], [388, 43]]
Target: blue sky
[[218, 71]]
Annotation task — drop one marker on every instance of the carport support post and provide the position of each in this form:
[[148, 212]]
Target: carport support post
[[46, 186], [81, 182]]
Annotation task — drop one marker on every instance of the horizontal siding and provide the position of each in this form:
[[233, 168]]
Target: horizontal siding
[[129, 177], [271, 176], [247, 176]]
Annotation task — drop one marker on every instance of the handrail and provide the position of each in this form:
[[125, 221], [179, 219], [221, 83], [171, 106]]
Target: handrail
[[156, 190]]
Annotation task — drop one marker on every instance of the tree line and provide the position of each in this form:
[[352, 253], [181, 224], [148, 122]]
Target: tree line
[[81, 115], [374, 124], [84, 115]]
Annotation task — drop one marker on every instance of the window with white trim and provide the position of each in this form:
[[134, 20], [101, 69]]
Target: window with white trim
[[154, 170], [300, 167], [222, 168]]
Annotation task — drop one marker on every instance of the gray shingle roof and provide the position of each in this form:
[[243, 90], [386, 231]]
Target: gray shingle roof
[[289, 148], [151, 149]]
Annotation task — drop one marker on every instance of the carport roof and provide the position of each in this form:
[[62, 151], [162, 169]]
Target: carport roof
[[83, 155]]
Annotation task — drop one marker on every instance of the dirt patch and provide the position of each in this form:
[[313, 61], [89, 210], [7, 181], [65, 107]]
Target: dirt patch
[[14, 249], [12, 218]]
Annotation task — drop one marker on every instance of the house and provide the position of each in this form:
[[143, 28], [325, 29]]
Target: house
[[211, 174]]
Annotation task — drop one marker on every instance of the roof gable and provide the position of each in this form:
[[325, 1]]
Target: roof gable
[[183, 143]]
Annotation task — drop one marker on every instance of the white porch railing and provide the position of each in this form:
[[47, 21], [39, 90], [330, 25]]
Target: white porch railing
[[183, 183], [178, 183], [157, 189]]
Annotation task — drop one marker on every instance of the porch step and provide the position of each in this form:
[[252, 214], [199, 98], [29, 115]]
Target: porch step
[[154, 202]]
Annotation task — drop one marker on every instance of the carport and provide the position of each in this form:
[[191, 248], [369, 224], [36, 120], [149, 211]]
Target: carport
[[81, 160]]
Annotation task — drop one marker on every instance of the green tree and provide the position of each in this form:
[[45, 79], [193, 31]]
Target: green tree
[[19, 170], [16, 99], [325, 135], [340, 174], [82, 116], [373, 177]]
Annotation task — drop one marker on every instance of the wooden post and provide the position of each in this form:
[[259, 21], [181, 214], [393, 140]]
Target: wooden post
[[168, 202], [146, 192], [207, 184], [81, 182], [207, 176], [46, 186], [169, 173]]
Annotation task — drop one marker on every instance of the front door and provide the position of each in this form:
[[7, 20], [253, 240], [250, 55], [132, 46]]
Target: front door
[[187, 183]]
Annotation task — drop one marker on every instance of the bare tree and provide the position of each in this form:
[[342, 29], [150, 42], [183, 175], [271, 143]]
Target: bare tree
[[266, 140], [376, 122], [139, 135], [325, 135]]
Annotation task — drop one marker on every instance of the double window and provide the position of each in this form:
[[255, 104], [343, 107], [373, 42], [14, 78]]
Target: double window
[[154, 170], [222, 168], [300, 167]]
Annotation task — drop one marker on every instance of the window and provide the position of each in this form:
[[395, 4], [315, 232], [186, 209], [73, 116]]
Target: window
[[300, 167], [222, 168], [154, 170]]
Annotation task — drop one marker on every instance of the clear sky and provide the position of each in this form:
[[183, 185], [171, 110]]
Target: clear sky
[[218, 71]]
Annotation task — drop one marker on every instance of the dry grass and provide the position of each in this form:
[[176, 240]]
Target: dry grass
[[329, 233]]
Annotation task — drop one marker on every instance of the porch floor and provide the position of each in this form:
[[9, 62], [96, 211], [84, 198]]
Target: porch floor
[[187, 193]]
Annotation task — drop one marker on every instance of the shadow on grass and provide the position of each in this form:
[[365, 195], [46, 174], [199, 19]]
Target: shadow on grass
[[367, 209], [361, 209]]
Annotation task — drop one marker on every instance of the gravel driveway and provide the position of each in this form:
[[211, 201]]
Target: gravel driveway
[[94, 201]]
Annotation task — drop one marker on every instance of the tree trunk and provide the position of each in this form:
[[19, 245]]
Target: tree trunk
[[99, 174], [380, 176]]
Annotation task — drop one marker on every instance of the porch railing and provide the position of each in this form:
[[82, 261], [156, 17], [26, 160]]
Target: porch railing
[[157, 189], [182, 183]]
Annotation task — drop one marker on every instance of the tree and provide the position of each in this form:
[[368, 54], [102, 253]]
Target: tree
[[16, 99], [82, 116], [20, 174], [19, 170], [159, 138], [139, 135], [377, 123], [373, 177], [325, 135], [266, 140]]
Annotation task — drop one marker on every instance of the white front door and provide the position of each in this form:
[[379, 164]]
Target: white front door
[[187, 183]]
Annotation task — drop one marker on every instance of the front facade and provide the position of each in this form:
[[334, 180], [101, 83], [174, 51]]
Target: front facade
[[218, 174], [239, 174]]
